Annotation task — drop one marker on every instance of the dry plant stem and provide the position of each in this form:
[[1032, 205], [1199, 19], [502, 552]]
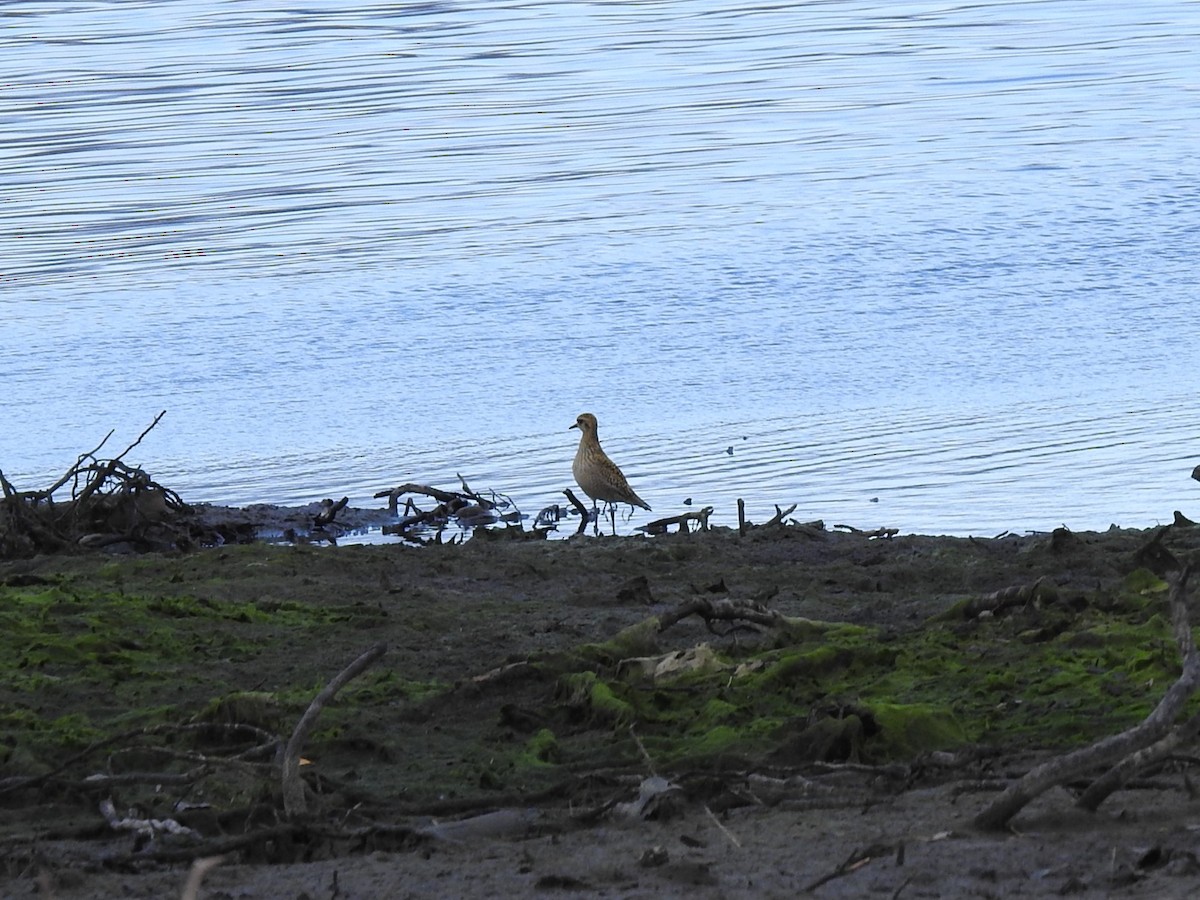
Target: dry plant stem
[[642, 749], [1144, 735], [729, 835], [294, 803], [853, 863]]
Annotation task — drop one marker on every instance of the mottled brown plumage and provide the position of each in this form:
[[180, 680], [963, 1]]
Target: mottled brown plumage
[[596, 473]]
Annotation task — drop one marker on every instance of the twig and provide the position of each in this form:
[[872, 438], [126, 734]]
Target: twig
[[149, 427], [725, 831], [642, 749], [876, 533], [294, 803], [660, 526], [779, 516], [855, 861]]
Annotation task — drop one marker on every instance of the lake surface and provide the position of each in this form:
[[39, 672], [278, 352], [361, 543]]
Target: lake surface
[[923, 265]]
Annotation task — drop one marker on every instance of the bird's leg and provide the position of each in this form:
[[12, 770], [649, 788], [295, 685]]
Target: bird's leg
[[612, 512]]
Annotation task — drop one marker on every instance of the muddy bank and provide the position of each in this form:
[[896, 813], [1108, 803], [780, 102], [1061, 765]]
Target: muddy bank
[[898, 684]]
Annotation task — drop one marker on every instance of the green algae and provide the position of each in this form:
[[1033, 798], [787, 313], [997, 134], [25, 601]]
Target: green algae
[[906, 731], [179, 640], [541, 750], [594, 700], [118, 655], [1048, 675]]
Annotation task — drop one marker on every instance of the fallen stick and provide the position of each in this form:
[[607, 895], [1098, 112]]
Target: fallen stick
[[329, 511], [1013, 595], [396, 493], [729, 835], [660, 526], [855, 861], [876, 533], [723, 609], [779, 516], [294, 803]]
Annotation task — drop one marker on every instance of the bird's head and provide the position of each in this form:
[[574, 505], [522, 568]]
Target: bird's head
[[585, 423]]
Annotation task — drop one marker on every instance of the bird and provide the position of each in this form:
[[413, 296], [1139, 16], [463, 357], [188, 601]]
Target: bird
[[596, 473]]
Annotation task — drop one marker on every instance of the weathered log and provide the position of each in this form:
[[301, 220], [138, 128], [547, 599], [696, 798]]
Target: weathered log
[[721, 610]]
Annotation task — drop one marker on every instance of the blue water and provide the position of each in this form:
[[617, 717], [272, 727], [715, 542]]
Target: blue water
[[923, 265]]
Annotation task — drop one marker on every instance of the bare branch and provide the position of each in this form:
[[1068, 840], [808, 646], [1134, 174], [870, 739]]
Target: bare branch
[[294, 803]]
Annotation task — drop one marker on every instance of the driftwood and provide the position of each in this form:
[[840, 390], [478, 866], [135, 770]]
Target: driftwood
[[294, 802], [585, 514], [329, 511], [264, 746], [1013, 595], [722, 610], [1146, 742], [779, 518], [111, 502], [396, 493], [870, 535], [660, 526], [464, 507]]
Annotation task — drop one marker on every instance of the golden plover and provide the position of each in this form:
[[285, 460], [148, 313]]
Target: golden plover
[[596, 473]]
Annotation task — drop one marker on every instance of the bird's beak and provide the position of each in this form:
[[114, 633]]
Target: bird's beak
[[576, 425]]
